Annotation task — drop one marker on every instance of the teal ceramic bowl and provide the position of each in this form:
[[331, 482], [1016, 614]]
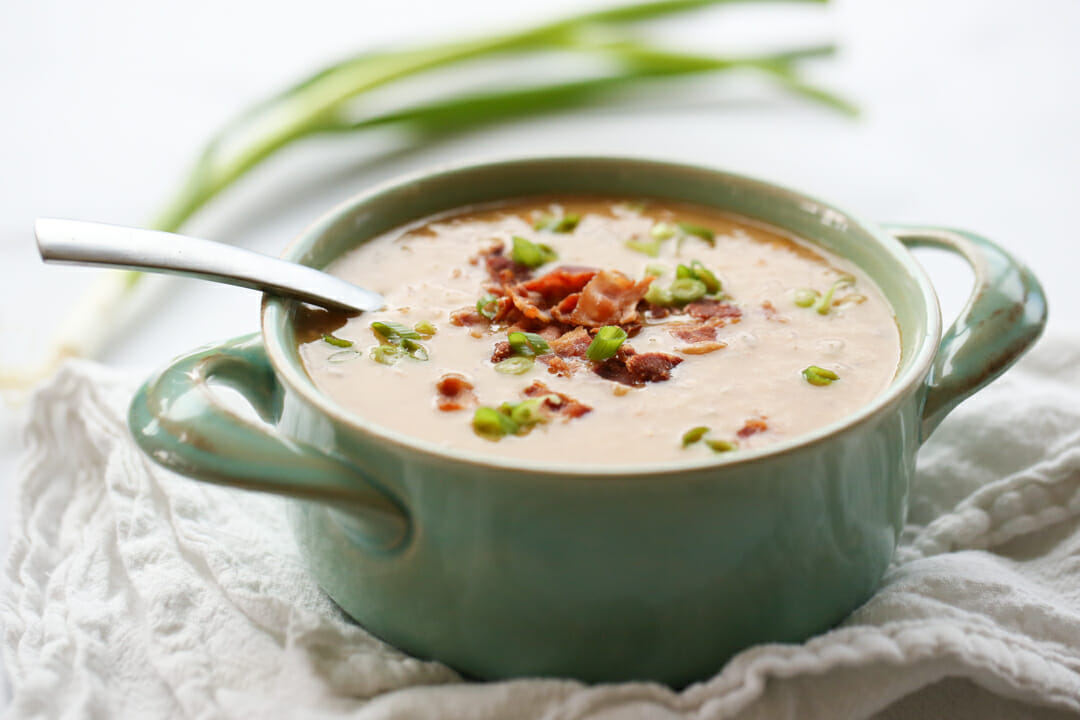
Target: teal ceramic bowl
[[505, 569]]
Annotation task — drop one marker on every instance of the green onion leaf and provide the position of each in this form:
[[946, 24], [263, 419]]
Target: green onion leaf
[[805, 297], [658, 295], [687, 290], [528, 412], [492, 424], [699, 231], [826, 302], [527, 344], [693, 435], [336, 341], [655, 269], [517, 365], [488, 306], [819, 376], [553, 223], [663, 231], [386, 354], [530, 254], [712, 283], [425, 328], [343, 356], [683, 272], [393, 332], [649, 247], [721, 445], [606, 343]]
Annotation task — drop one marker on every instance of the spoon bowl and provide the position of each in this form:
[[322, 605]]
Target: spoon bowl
[[76, 242]]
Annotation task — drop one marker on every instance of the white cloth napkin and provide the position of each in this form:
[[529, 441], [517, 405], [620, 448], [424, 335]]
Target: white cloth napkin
[[131, 592]]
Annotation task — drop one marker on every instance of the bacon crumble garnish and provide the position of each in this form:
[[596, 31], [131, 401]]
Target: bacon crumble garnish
[[706, 309], [610, 298], [561, 404], [632, 368], [455, 393], [771, 313], [702, 348], [752, 427]]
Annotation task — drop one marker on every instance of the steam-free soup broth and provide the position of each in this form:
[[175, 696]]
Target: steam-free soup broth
[[594, 331]]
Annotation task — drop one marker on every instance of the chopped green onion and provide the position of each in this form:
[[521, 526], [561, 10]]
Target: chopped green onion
[[527, 344], [394, 332], [721, 445], [565, 224], [517, 365], [655, 269], [698, 231], [343, 356], [415, 349], [527, 412], [425, 328], [826, 302], [336, 341], [492, 424], [687, 290], [606, 343], [712, 283], [488, 306], [658, 295], [649, 247], [819, 376], [805, 297], [386, 354], [692, 435], [663, 231], [530, 254], [683, 272]]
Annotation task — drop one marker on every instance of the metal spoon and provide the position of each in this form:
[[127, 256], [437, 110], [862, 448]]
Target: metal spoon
[[87, 243]]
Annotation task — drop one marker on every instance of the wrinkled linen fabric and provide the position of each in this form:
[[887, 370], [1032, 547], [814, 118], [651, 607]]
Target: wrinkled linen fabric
[[131, 592]]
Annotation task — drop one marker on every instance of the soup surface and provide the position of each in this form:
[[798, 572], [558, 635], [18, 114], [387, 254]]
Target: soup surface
[[503, 323]]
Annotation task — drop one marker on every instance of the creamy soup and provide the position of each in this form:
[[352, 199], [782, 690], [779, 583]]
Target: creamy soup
[[602, 331]]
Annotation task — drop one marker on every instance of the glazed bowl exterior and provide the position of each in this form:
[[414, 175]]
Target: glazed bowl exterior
[[503, 568]]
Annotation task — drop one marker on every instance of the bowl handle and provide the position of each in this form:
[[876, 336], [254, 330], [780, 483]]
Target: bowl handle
[[1003, 317], [179, 422]]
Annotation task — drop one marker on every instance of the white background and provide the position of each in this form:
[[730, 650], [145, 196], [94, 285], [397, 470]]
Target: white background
[[970, 117]]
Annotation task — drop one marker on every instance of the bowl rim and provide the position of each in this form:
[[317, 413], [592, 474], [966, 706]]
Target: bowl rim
[[274, 313]]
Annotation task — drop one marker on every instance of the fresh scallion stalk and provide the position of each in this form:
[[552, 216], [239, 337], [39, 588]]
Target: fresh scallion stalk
[[386, 354], [721, 446], [663, 231], [606, 343], [805, 297], [528, 412], [394, 332], [659, 295], [324, 103], [426, 329]]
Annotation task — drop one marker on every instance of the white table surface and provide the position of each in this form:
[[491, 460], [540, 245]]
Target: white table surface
[[971, 111]]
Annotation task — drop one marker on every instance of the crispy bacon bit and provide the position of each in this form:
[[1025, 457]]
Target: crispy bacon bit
[[561, 404], [558, 366], [467, 317], [771, 313], [705, 309], [501, 269], [563, 312], [631, 368], [501, 351], [535, 299], [702, 348], [455, 393], [572, 344], [610, 298], [696, 332], [651, 367], [752, 427]]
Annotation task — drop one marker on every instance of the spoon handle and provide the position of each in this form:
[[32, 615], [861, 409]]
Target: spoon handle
[[87, 243]]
